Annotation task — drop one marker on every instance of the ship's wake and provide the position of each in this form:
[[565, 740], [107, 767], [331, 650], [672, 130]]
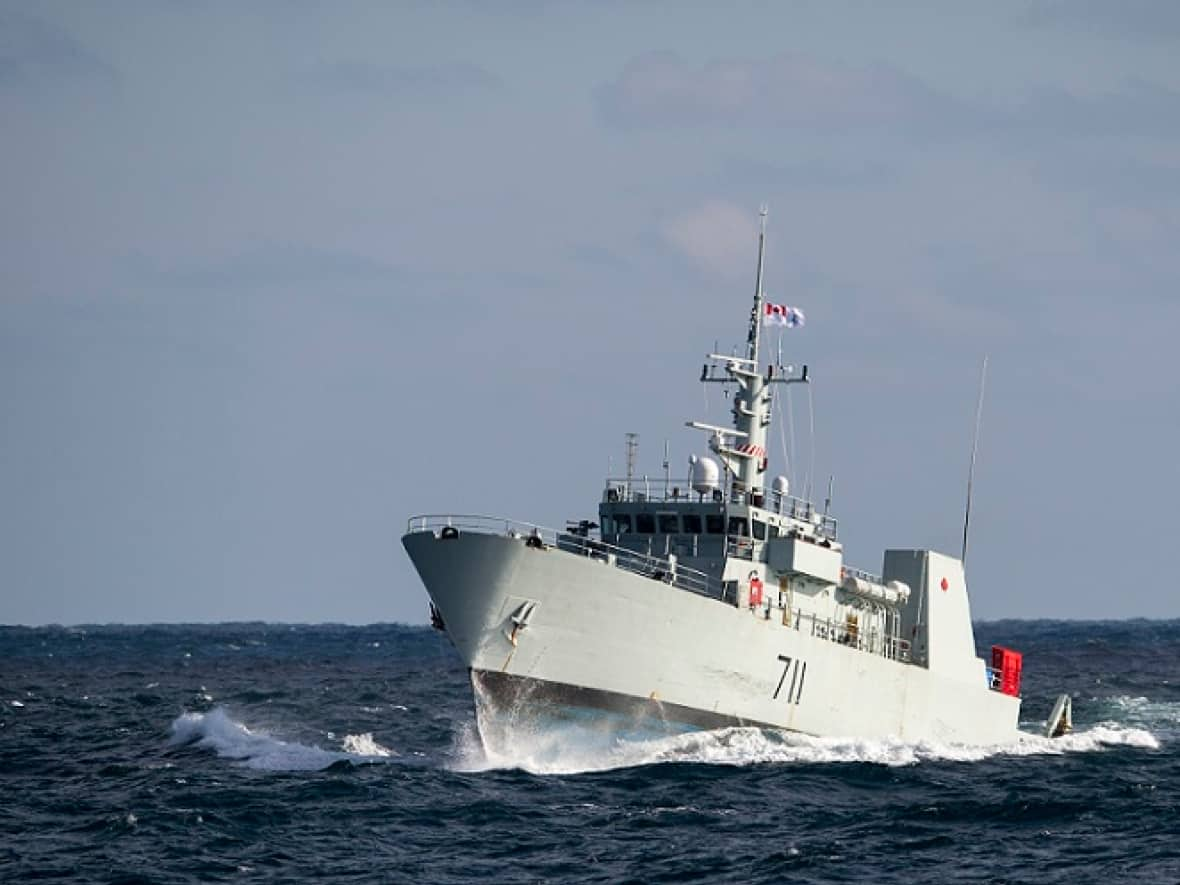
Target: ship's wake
[[508, 737], [570, 748], [256, 748], [587, 744]]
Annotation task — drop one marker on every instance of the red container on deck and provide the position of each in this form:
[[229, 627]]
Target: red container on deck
[[1007, 663]]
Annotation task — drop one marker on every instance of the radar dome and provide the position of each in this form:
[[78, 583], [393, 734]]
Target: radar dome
[[703, 474], [780, 486]]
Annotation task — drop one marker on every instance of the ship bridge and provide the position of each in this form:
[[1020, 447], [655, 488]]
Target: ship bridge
[[705, 530]]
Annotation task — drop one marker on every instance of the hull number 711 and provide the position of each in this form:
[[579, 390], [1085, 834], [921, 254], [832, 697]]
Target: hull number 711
[[797, 670]]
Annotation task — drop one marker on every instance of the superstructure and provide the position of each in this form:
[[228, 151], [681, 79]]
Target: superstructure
[[719, 599]]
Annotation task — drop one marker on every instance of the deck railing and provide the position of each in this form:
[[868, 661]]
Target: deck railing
[[659, 568], [646, 490], [667, 571], [744, 548], [841, 632], [849, 571]]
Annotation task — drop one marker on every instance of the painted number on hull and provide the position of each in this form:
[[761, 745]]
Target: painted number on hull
[[797, 670]]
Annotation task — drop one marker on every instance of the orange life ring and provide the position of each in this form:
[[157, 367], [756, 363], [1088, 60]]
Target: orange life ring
[[755, 590]]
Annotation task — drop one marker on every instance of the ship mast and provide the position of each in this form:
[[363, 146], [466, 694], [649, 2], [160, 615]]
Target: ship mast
[[751, 404], [743, 449], [756, 311]]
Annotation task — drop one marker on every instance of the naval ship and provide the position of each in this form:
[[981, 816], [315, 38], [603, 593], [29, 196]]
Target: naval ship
[[718, 600]]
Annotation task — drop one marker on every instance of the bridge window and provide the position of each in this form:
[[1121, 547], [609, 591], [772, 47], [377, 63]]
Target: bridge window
[[739, 526], [669, 524], [692, 523], [714, 524], [623, 523], [645, 523], [759, 530]]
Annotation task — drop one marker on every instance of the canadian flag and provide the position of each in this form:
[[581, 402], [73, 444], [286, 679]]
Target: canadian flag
[[782, 315]]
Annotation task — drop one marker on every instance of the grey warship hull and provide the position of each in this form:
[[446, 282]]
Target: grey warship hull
[[716, 600], [545, 628]]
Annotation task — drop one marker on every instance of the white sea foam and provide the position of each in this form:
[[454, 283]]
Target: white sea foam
[[256, 748], [1140, 711], [364, 745], [574, 748]]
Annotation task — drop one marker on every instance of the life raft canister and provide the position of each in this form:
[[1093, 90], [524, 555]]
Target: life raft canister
[[755, 590]]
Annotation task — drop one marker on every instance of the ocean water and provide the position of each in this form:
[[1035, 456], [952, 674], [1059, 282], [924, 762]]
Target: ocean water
[[262, 752]]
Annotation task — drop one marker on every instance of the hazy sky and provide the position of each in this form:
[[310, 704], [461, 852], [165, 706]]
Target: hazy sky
[[274, 277]]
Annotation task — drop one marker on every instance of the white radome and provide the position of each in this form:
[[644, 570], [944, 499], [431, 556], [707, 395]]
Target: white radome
[[704, 474]]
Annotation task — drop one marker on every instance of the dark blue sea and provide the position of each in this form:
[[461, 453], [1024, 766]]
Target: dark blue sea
[[275, 753]]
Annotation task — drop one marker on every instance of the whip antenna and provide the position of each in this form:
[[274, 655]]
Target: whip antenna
[[974, 450]]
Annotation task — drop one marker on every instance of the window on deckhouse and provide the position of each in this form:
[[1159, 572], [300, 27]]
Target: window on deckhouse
[[739, 526]]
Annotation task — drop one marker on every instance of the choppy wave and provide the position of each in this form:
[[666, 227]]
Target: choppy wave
[[574, 749], [1139, 711], [93, 775], [364, 747], [231, 739]]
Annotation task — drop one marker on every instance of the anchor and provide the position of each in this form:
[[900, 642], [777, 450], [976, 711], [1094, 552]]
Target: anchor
[[520, 620]]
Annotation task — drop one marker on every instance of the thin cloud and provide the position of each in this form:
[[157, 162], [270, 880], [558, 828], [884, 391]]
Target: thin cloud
[[34, 52], [295, 267], [1137, 108], [375, 79], [663, 90], [1154, 20], [718, 236], [268, 265]]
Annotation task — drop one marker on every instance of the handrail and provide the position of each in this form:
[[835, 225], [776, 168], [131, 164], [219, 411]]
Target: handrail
[[744, 548], [849, 571], [646, 490], [661, 569], [665, 570], [838, 631]]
